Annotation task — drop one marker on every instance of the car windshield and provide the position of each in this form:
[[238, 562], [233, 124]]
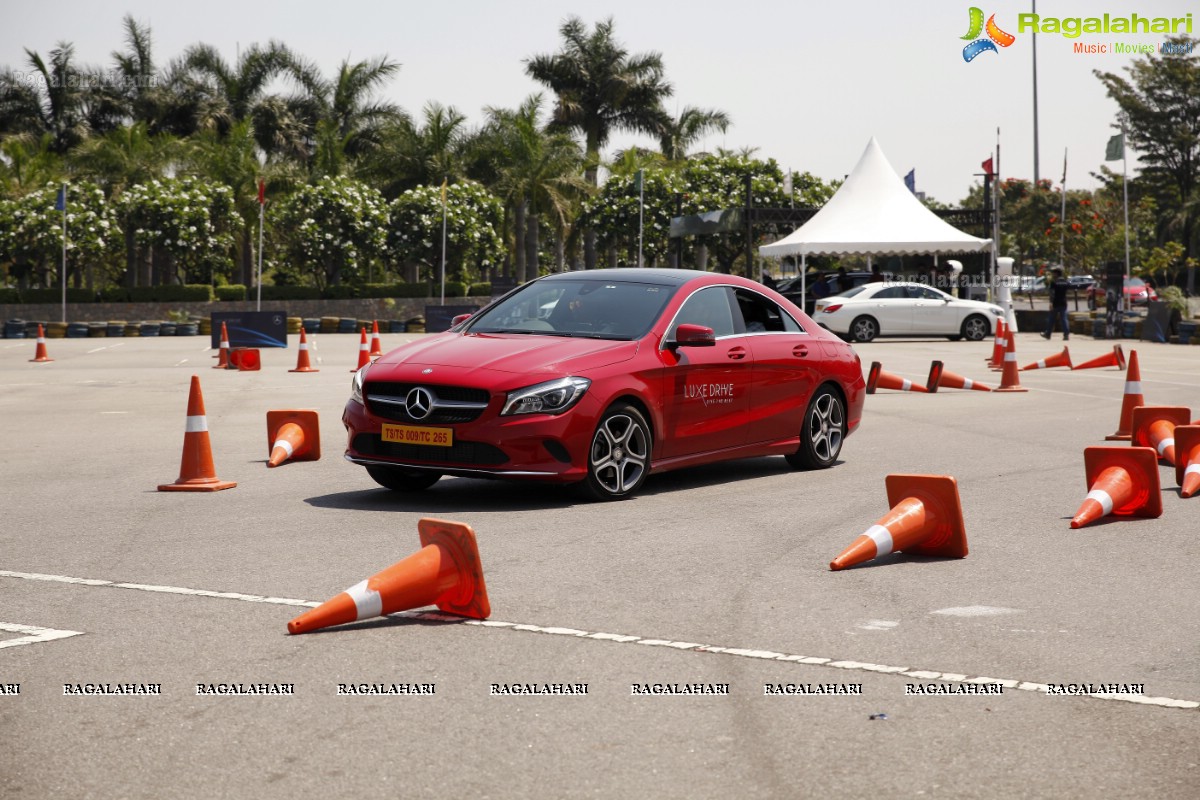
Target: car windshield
[[597, 309], [854, 291], [1134, 283]]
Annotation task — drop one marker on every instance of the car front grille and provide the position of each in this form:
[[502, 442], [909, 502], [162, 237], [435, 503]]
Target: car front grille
[[460, 453], [452, 404]]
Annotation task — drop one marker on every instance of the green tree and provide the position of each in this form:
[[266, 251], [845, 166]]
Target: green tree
[[49, 98], [1160, 113], [28, 162], [473, 218], [31, 234], [411, 155], [679, 134]]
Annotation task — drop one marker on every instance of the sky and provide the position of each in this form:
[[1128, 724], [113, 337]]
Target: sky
[[805, 83]]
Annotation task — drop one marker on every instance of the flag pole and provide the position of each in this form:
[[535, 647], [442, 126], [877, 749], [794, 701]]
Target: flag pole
[[63, 280], [641, 207], [261, 208], [1062, 218], [1125, 190], [442, 271]]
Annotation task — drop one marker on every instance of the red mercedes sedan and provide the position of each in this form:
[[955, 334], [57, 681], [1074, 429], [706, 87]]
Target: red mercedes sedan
[[600, 378]]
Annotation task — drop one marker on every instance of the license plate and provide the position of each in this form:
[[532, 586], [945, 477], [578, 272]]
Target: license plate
[[417, 434]]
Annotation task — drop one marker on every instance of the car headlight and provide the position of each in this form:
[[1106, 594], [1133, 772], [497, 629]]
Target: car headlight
[[996, 312], [356, 385], [552, 397]]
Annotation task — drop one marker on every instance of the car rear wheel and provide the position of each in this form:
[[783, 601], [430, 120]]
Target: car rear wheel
[[399, 479], [975, 328], [823, 431], [619, 458], [864, 329]]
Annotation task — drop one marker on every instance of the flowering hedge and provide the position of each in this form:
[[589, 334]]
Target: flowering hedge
[[332, 229], [191, 221], [31, 235], [474, 218]]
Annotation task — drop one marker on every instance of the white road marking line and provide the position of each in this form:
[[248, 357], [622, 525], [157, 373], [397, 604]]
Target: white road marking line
[[181, 363], [33, 634], [976, 611], [766, 655], [878, 625]]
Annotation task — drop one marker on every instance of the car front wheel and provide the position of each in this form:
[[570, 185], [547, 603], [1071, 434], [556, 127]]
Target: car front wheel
[[399, 479], [975, 328], [864, 329], [619, 458], [823, 431]]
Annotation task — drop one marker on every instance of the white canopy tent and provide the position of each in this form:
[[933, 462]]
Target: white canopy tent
[[873, 213]]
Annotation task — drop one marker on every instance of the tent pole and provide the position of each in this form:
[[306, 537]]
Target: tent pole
[[803, 281]]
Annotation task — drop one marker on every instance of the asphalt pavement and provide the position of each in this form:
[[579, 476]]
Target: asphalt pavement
[[710, 586]]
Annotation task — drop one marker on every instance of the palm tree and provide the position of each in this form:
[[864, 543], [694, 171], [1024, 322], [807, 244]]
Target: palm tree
[[409, 155], [539, 174], [601, 88], [680, 133], [51, 101], [27, 163]]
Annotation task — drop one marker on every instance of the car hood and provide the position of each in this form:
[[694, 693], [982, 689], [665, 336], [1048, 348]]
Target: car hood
[[523, 354]]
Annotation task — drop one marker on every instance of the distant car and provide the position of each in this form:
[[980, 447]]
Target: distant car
[[599, 378], [1029, 284], [791, 290], [900, 308], [1081, 281], [1137, 292]]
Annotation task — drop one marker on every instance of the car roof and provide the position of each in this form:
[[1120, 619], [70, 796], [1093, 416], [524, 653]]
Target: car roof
[[653, 275]]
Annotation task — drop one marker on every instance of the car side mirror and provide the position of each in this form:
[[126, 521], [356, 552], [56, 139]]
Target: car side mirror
[[688, 335], [460, 319]]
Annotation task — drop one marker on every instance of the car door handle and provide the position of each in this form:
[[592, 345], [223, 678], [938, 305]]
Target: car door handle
[[800, 350], [736, 353]]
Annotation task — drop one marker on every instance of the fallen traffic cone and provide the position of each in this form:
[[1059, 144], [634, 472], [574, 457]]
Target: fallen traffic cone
[[302, 362], [294, 435], [445, 572], [997, 357], [1009, 380], [878, 379], [196, 472], [1187, 466], [245, 359], [1154, 427], [926, 519], [1062, 359], [364, 354], [223, 352], [1114, 359], [39, 355], [1122, 481], [1129, 401], [940, 378], [376, 345]]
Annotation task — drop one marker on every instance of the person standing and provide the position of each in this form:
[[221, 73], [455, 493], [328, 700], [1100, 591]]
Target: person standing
[[1058, 304]]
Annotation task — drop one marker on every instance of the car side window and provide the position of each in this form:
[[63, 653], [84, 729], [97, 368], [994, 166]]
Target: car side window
[[891, 293], [708, 307], [759, 314], [923, 293]]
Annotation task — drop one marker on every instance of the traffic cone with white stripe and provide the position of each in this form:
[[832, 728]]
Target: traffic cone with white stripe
[[196, 472], [1154, 427], [877, 378], [1122, 481], [223, 352], [293, 435], [376, 345], [941, 378], [1062, 359], [1187, 466], [996, 361], [926, 520], [1129, 401], [445, 572], [364, 352], [303, 364], [39, 354], [1114, 359], [1010, 381]]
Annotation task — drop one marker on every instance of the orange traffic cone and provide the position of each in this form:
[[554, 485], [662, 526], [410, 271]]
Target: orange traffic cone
[[223, 352], [939, 377], [1009, 380], [1062, 359], [878, 379], [39, 354], [1122, 481], [293, 435], [445, 572], [1187, 466], [1154, 426], [997, 357], [196, 472], [364, 354], [302, 362], [376, 345], [926, 519], [1114, 359], [245, 359], [1131, 400]]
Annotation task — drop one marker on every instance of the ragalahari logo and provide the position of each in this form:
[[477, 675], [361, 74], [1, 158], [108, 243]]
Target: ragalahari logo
[[995, 36]]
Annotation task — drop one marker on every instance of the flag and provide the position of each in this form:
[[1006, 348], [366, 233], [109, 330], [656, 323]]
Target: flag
[[262, 192], [1116, 148], [60, 201], [637, 180], [444, 190], [988, 168], [910, 180], [787, 183], [1064, 181]]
